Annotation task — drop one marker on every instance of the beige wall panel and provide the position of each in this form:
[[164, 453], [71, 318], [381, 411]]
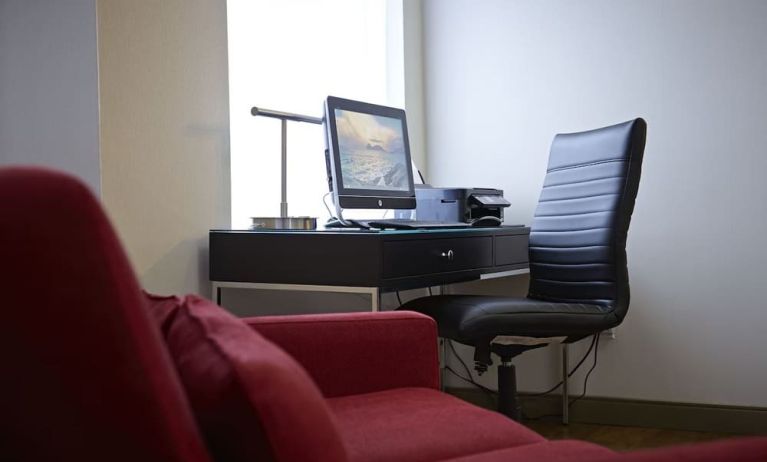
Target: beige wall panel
[[164, 133]]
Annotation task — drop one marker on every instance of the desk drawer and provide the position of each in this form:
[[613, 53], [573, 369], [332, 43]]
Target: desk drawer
[[511, 250], [421, 257]]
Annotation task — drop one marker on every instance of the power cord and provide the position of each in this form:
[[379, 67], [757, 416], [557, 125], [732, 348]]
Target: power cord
[[470, 378], [325, 203], [586, 380], [572, 371], [466, 367], [489, 391], [399, 300], [595, 346], [345, 222]]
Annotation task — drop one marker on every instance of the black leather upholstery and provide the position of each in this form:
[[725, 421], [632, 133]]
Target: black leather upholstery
[[578, 234], [471, 319], [578, 272]]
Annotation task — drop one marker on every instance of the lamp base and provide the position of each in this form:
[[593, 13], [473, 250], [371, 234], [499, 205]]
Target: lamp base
[[298, 223]]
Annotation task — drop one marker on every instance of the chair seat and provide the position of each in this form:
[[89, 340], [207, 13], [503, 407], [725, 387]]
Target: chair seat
[[419, 425], [472, 318]]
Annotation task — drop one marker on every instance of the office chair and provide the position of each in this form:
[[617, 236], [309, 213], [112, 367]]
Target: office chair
[[578, 275]]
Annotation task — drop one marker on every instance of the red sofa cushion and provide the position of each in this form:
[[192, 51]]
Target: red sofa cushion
[[252, 400], [163, 308], [420, 424]]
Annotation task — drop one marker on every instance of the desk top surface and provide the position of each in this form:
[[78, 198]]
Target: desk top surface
[[388, 232]]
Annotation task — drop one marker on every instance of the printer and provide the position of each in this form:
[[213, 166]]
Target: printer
[[476, 206]]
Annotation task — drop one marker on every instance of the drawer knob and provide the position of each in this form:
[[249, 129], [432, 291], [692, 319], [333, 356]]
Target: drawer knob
[[449, 255]]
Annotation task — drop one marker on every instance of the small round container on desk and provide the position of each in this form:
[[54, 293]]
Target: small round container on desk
[[297, 223]]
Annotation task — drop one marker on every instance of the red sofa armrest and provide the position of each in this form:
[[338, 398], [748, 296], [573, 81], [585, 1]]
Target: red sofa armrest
[[356, 353]]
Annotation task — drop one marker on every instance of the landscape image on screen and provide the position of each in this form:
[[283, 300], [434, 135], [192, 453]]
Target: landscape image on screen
[[372, 151]]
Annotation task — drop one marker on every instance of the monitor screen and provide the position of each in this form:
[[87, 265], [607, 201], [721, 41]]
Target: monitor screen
[[372, 151], [367, 155]]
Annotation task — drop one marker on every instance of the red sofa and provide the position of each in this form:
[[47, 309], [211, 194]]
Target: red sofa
[[96, 370]]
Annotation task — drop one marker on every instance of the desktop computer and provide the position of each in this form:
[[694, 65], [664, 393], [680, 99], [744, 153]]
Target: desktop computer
[[369, 167]]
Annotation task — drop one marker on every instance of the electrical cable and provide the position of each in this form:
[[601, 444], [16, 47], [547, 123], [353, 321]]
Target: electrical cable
[[586, 380], [463, 363], [470, 379], [572, 371], [325, 203], [489, 391], [595, 344], [430, 292], [342, 220], [399, 300]]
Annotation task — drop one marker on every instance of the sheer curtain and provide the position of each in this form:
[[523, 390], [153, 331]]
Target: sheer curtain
[[289, 55]]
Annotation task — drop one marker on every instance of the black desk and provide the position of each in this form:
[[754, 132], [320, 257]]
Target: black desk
[[368, 262]]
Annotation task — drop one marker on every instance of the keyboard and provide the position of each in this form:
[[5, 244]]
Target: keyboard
[[404, 223]]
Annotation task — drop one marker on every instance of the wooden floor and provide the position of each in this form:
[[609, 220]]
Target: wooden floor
[[619, 438], [615, 437]]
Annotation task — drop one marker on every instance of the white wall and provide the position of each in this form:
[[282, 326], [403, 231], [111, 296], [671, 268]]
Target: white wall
[[49, 85], [502, 77]]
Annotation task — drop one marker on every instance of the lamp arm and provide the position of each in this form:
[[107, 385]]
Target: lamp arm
[[284, 117]]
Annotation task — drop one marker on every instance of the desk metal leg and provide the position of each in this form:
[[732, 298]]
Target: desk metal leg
[[442, 350], [374, 292], [375, 299], [565, 396], [442, 345], [216, 293]]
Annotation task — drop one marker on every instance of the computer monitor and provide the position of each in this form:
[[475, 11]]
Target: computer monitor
[[368, 156]]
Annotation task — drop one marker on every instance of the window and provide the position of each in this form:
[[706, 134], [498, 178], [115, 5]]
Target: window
[[289, 55]]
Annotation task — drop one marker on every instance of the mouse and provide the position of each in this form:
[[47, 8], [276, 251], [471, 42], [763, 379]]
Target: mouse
[[335, 223], [486, 221]]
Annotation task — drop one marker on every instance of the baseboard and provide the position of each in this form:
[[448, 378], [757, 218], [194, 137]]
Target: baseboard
[[637, 413]]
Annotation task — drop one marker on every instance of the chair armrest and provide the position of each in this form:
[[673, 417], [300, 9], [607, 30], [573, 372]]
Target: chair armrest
[[356, 353]]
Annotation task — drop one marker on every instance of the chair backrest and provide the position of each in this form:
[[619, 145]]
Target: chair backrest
[[85, 376], [578, 235]]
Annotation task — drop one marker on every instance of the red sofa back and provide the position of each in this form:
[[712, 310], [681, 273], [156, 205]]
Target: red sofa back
[[85, 375]]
